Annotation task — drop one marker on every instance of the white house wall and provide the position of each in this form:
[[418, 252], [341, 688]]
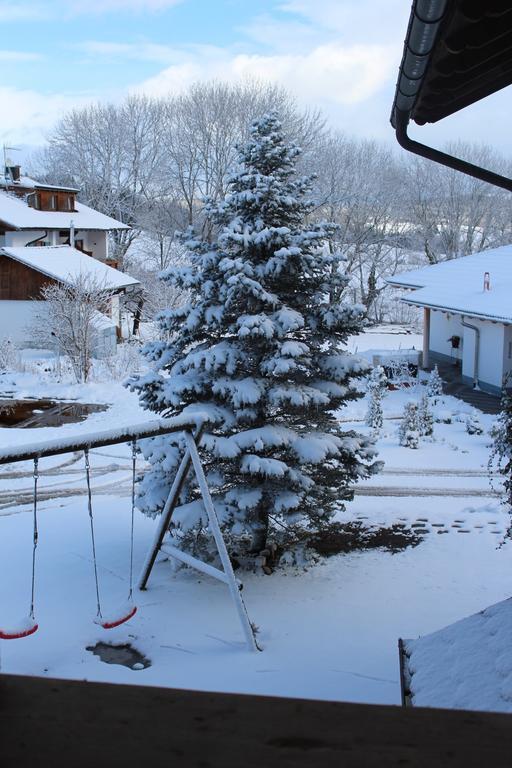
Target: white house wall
[[442, 328], [490, 366], [95, 241]]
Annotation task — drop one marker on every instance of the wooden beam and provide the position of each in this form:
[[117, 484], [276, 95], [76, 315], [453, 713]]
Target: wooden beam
[[71, 723]]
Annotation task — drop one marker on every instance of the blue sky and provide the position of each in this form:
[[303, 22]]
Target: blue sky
[[339, 55]]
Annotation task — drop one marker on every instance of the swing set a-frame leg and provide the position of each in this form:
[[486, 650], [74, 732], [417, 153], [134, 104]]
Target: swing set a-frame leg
[[192, 458]]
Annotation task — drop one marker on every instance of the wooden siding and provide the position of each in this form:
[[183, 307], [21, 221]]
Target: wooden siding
[[19, 282], [63, 723]]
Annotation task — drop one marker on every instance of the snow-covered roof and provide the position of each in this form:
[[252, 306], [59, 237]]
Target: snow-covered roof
[[65, 264], [457, 285], [25, 182], [467, 665], [15, 212]]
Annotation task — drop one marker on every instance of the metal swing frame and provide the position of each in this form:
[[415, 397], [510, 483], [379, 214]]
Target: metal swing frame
[[192, 428]]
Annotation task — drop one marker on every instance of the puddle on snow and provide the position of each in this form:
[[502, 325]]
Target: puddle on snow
[[125, 655], [44, 413]]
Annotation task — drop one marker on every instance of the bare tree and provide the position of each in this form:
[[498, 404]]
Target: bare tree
[[454, 214], [71, 317], [359, 191]]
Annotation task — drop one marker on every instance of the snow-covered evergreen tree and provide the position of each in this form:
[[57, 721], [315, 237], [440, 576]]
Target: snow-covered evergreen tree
[[376, 387], [501, 451], [434, 383], [425, 417], [259, 349], [408, 431], [473, 424]]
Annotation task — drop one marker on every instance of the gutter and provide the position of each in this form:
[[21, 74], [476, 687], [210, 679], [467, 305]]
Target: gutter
[[454, 311], [36, 239], [425, 21], [477, 350]]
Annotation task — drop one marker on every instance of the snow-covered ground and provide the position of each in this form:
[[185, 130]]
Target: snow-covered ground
[[328, 632]]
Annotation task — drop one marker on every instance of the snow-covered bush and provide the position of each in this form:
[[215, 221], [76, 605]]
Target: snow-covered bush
[[70, 318], [126, 361], [258, 348], [473, 425], [443, 417], [425, 418], [9, 356], [434, 383], [408, 431], [376, 386]]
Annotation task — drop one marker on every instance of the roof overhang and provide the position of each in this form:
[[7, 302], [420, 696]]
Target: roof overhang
[[456, 52]]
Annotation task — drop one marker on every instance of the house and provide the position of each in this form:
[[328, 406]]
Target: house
[[467, 314], [47, 237], [32, 213]]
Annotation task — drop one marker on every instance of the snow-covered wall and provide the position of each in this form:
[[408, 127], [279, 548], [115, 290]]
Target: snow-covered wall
[[490, 367], [442, 328]]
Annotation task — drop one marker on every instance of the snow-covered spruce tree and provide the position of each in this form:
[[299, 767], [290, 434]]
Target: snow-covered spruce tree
[[376, 387], [434, 383], [501, 451], [425, 417], [408, 431], [473, 424], [258, 348]]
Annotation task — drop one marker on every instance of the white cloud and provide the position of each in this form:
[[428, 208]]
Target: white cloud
[[326, 73], [106, 6], [19, 56], [27, 115], [141, 51], [14, 11]]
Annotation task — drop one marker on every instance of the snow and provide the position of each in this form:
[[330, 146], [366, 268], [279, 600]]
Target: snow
[[457, 285], [15, 212], [467, 665], [328, 631], [66, 264]]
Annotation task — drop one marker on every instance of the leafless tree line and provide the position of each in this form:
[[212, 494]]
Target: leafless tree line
[[152, 162]]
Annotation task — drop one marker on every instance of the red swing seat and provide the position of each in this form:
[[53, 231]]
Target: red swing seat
[[115, 619], [26, 627]]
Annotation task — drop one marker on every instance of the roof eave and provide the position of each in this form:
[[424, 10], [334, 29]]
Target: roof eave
[[455, 311]]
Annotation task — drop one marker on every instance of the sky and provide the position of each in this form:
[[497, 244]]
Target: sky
[[339, 55]]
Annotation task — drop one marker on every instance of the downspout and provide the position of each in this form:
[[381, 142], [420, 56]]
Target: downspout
[[477, 351]]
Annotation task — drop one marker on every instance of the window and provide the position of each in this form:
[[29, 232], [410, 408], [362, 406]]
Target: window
[[37, 202], [53, 202], [68, 203]]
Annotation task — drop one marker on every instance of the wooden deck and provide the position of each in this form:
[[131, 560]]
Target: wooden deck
[[89, 725]]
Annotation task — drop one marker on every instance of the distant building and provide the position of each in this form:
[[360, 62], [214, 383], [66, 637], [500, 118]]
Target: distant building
[[46, 237], [467, 314]]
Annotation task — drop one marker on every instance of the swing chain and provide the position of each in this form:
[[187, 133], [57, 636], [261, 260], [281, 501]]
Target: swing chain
[[93, 541], [35, 538], [134, 467]]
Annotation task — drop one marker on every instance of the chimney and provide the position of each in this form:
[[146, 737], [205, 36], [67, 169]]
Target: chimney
[[14, 171], [487, 281]]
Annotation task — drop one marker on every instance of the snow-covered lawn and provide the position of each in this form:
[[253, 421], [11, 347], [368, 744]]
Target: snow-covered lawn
[[328, 632]]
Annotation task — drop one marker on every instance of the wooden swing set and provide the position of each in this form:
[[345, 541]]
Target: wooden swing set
[[192, 430]]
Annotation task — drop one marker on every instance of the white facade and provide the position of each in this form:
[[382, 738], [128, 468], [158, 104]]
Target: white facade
[[94, 241]]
